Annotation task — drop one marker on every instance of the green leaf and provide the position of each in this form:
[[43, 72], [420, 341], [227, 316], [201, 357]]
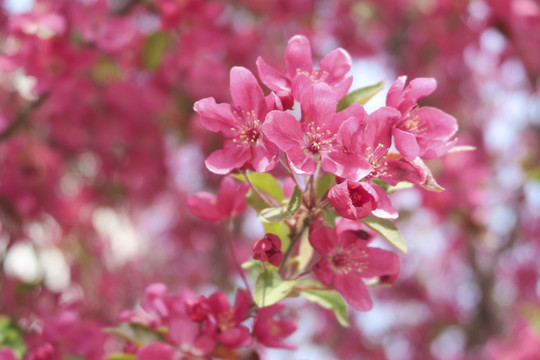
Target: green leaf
[[399, 186], [328, 299], [121, 356], [138, 334], [154, 48], [278, 214], [360, 96], [11, 336], [305, 251], [255, 201], [279, 229], [295, 201], [329, 216], [270, 288], [387, 230], [324, 184], [264, 182]]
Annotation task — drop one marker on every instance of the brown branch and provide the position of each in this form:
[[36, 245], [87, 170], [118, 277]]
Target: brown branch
[[22, 118]]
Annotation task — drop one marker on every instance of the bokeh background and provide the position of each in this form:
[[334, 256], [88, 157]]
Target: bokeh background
[[99, 147]]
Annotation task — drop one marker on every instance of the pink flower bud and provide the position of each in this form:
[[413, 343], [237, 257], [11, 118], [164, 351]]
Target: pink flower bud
[[268, 249]]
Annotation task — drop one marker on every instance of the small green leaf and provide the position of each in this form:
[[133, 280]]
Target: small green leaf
[[430, 183], [360, 96], [264, 182], [121, 356], [270, 288], [154, 48], [138, 334], [255, 201], [387, 230], [251, 264], [279, 229], [328, 299], [324, 184], [276, 214], [399, 186], [305, 252], [329, 216], [295, 201], [11, 336]]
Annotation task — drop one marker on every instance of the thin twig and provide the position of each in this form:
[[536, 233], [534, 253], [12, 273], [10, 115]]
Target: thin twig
[[237, 263], [256, 191], [22, 118]]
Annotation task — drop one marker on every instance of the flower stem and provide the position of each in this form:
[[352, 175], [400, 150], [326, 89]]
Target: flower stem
[[256, 191]]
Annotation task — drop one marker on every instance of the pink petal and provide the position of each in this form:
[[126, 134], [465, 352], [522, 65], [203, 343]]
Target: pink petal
[[183, 332], [245, 90], [298, 56], [216, 117], [394, 96], [337, 64], [346, 165], [384, 210], [302, 163], [265, 155], [380, 262], [419, 88], [324, 272], [351, 132], [354, 291], [378, 133], [231, 197], [323, 238], [218, 302], [235, 337], [341, 89], [434, 123], [406, 144], [272, 78], [157, 351], [319, 106], [203, 205], [393, 171], [368, 196], [241, 306], [283, 130], [231, 157], [340, 199]]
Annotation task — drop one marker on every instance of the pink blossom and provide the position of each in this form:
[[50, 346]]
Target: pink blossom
[[422, 131], [315, 136], [347, 260], [357, 200], [299, 71], [270, 332], [229, 202], [241, 126], [268, 249], [369, 136], [227, 320]]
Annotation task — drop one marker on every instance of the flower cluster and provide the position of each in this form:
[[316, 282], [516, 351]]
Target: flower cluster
[[332, 138], [181, 325]]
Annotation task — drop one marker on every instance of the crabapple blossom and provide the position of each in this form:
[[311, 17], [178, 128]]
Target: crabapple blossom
[[241, 125], [230, 201], [426, 132], [300, 73], [347, 260]]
